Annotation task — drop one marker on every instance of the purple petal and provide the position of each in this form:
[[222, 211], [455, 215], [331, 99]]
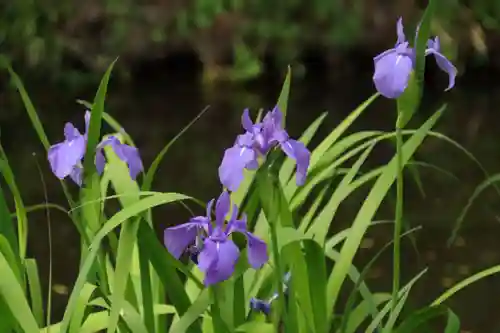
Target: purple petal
[[277, 117], [217, 260], [257, 251], [100, 160], [257, 248], [246, 121], [127, 154], [234, 161], [70, 132], [222, 208], [392, 72], [63, 157], [298, 151], [178, 238], [77, 175], [400, 32], [443, 63]]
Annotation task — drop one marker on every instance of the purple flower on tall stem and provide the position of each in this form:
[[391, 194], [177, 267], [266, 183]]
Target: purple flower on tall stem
[[66, 157], [394, 66], [256, 142], [265, 306], [217, 252]]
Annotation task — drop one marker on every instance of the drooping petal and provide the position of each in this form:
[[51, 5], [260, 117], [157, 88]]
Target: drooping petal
[[217, 260], [246, 121], [70, 132], [392, 72], [222, 208], [77, 175], [127, 154], [299, 152], [257, 250], [443, 63], [63, 157], [234, 161], [400, 32], [178, 238], [100, 160]]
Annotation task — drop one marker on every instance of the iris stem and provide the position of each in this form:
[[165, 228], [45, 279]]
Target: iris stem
[[399, 213], [217, 323], [278, 271]]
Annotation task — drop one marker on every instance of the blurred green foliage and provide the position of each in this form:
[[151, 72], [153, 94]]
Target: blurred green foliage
[[46, 35]]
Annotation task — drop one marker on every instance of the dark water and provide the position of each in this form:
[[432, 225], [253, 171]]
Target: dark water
[[156, 105]]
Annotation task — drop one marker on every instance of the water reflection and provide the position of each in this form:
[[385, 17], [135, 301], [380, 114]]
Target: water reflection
[[154, 111]]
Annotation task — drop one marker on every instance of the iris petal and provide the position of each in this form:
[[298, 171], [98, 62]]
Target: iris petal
[[178, 238], [217, 260], [298, 151], [234, 161], [392, 72]]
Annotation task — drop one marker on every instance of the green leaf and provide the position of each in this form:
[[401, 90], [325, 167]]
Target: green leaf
[[94, 129], [128, 190], [22, 219], [81, 305], [453, 323], [415, 321], [369, 208], [408, 102], [110, 225], [255, 327], [11, 259], [320, 226], [164, 265], [13, 295], [466, 282], [317, 276], [30, 109], [35, 290], [148, 180], [402, 295], [282, 103], [363, 311], [328, 142], [6, 225], [193, 313], [423, 34]]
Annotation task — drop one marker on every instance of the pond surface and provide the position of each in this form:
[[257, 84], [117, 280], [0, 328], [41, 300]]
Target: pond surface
[[155, 107]]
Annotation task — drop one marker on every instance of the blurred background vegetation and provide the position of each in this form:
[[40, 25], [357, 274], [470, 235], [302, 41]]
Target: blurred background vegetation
[[69, 40]]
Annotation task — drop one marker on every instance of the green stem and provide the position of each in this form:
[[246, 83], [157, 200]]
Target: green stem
[[399, 214], [278, 271], [217, 323]]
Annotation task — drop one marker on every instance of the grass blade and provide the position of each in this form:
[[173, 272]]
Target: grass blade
[[369, 208], [35, 291], [13, 295]]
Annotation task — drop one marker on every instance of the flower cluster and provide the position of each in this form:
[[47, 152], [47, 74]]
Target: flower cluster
[[256, 142], [216, 254], [394, 66], [66, 157], [208, 242]]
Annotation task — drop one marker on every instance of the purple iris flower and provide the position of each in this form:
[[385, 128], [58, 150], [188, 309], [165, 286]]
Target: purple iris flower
[[256, 142], [265, 306], [393, 67], [218, 254], [66, 157]]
